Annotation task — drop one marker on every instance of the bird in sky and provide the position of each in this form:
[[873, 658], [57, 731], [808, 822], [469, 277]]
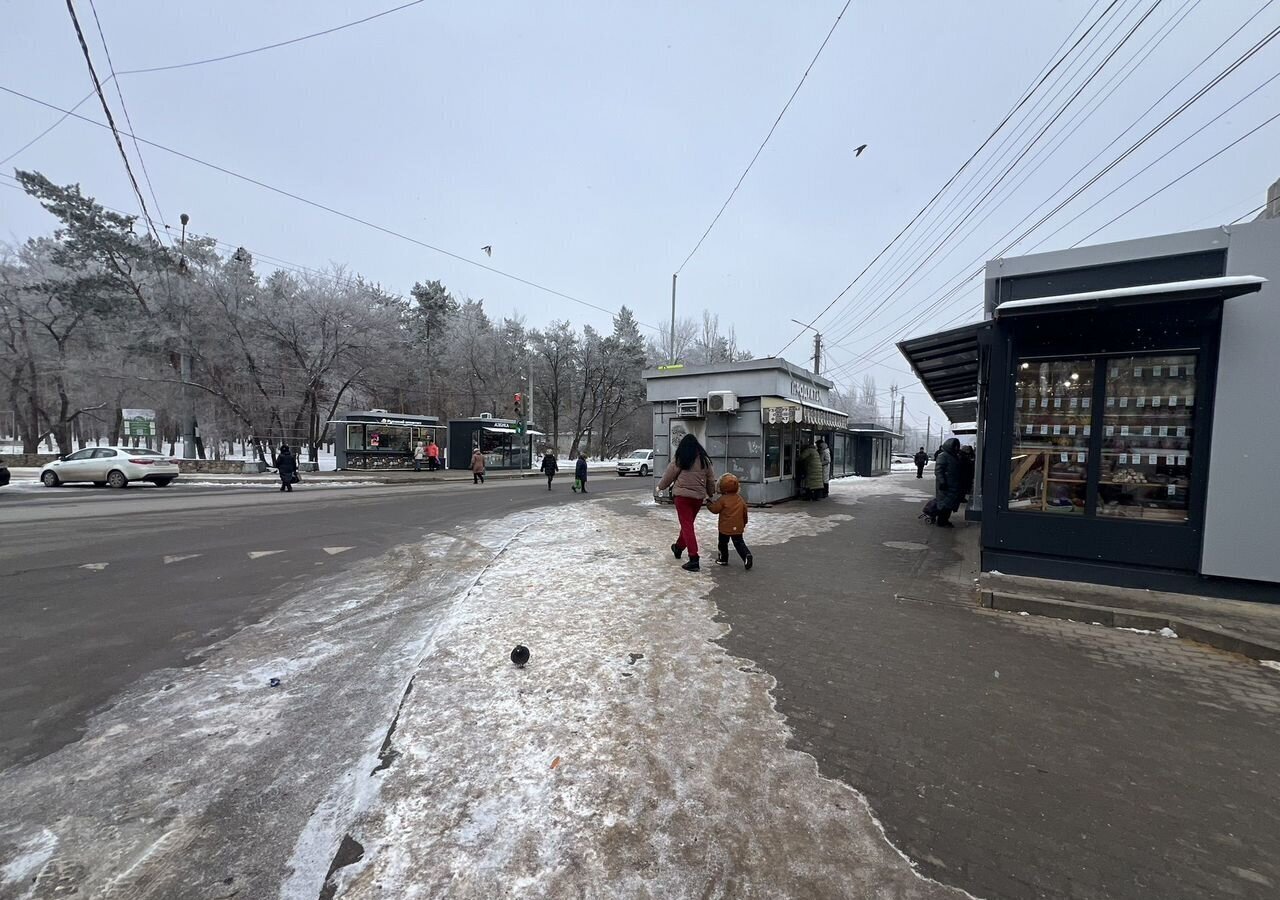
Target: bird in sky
[[857, 151], [488, 249]]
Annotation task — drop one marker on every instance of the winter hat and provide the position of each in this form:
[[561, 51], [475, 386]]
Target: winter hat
[[728, 484]]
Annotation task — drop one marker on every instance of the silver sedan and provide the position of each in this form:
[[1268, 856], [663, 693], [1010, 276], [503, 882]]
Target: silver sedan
[[114, 466]]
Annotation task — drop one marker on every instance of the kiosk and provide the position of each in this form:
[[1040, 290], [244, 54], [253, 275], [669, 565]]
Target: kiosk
[[377, 439], [502, 444], [1122, 393], [754, 417]]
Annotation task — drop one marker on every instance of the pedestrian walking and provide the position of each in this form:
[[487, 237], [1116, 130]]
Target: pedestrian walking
[[811, 472], [692, 481], [580, 473], [286, 465], [947, 488], [419, 454], [477, 466], [921, 459], [733, 521], [549, 467], [825, 453], [433, 456]]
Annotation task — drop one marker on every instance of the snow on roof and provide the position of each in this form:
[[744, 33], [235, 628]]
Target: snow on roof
[[1142, 290]]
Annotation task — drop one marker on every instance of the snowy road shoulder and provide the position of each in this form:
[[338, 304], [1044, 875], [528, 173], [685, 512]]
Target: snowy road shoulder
[[631, 757]]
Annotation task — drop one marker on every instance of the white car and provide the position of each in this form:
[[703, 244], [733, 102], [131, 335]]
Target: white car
[[114, 466], [640, 462]]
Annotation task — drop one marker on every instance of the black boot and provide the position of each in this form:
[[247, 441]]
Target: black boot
[[676, 550], [722, 559], [749, 560], [692, 565]]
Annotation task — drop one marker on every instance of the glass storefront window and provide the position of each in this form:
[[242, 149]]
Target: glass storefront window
[[1048, 471], [1146, 437], [773, 451]]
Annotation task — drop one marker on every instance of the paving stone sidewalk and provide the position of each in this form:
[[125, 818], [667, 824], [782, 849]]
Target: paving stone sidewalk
[[1012, 756]]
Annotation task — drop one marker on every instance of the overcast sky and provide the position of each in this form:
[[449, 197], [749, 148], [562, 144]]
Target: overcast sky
[[590, 144]]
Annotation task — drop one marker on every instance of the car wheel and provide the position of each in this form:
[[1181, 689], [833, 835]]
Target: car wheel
[[50, 479], [99, 484], [117, 479], [644, 471], [163, 482]]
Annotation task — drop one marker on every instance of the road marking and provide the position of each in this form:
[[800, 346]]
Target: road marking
[[255, 554], [334, 551], [174, 559], [95, 567]]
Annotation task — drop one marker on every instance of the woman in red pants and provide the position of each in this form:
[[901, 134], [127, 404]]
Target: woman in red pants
[[692, 482]]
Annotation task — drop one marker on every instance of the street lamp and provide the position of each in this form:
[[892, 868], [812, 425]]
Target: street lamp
[[190, 439]]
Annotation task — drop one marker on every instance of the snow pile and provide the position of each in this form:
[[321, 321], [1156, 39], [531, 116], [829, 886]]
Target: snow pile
[[631, 757]]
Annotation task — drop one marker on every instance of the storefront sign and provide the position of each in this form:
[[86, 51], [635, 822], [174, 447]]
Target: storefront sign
[[805, 391]]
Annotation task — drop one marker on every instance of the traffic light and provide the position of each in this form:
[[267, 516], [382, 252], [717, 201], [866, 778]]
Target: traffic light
[[518, 407]]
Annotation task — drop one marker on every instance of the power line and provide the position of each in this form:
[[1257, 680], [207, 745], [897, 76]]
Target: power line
[[66, 115], [773, 128], [1017, 106], [1008, 170], [111, 122], [1041, 157], [125, 109], [1170, 184], [333, 211], [1257, 47], [239, 53]]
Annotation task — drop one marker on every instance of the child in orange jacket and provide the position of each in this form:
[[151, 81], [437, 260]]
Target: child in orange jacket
[[733, 520]]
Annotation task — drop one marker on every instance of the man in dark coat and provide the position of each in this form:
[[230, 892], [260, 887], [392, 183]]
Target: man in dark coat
[[921, 459], [947, 487], [549, 467], [287, 465], [580, 473]]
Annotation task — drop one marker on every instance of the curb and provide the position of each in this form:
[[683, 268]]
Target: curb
[[1213, 636]]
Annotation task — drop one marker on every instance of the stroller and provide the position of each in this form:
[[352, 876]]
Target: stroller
[[930, 511]]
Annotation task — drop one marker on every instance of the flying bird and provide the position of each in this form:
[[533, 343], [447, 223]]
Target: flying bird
[[857, 151], [488, 249]]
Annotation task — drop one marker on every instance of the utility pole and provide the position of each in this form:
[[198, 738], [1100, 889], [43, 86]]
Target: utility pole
[[817, 353], [928, 431], [902, 412], [191, 448], [673, 318]]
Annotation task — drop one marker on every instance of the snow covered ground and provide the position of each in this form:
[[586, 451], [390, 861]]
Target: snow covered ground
[[632, 756]]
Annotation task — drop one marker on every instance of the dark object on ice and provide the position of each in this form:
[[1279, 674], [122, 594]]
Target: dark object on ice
[[274, 682], [930, 512], [520, 655]]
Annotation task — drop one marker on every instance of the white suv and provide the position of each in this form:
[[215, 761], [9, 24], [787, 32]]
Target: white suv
[[640, 462]]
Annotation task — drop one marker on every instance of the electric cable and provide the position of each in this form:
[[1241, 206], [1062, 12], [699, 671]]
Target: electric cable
[[772, 129], [333, 211]]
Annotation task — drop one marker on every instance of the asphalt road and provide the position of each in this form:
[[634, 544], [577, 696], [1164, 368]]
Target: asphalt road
[[99, 587]]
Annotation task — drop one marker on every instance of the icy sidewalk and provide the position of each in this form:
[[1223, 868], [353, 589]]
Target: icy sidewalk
[[632, 757]]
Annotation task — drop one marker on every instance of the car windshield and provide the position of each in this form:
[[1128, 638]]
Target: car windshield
[[639, 454], [143, 451]]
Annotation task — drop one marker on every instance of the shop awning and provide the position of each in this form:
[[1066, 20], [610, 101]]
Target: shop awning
[[947, 365], [775, 410], [1222, 288]]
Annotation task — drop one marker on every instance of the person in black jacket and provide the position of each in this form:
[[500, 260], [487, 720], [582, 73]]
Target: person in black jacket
[[287, 466], [580, 473], [968, 468], [947, 490], [921, 459], [549, 467]]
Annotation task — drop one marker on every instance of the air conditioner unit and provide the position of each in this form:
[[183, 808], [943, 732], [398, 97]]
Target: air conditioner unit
[[486, 415], [722, 401], [688, 408]]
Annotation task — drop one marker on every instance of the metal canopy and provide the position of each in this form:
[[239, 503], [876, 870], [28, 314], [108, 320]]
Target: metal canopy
[[1222, 288], [947, 365]]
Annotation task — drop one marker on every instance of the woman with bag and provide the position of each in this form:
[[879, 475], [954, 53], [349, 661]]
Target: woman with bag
[[287, 466], [692, 482], [477, 466]]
